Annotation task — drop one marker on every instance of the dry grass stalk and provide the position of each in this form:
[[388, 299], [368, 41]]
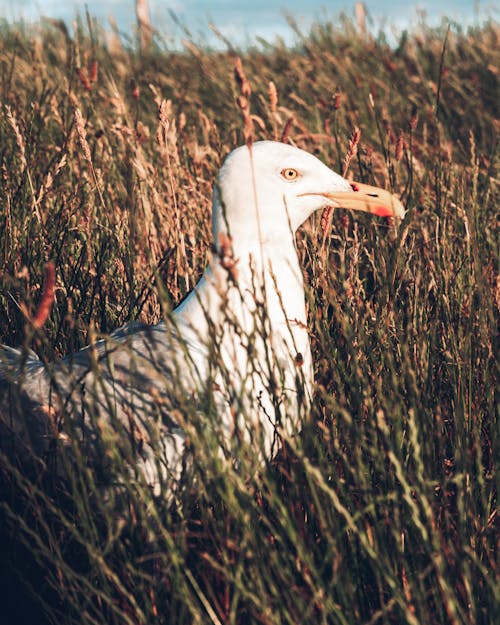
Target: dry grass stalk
[[273, 96], [48, 295], [399, 146], [273, 101], [286, 130], [113, 40], [82, 134], [11, 118], [144, 25], [360, 13], [167, 133], [352, 150], [326, 222], [82, 139], [164, 125], [241, 79], [243, 101], [327, 214]]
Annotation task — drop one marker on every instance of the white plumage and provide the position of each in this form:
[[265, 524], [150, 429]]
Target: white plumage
[[239, 340]]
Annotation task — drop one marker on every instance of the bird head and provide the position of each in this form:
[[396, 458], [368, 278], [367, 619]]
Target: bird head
[[273, 187]]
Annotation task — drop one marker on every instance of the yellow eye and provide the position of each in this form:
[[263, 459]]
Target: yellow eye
[[289, 173]]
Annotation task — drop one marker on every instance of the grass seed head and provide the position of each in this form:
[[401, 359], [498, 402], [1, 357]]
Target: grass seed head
[[11, 118], [241, 79], [352, 150], [82, 134], [273, 96]]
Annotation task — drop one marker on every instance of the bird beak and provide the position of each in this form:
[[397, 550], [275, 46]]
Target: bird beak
[[364, 197]]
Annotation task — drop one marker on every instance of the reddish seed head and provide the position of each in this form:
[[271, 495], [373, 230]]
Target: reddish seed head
[[94, 68], [325, 219], [286, 130], [337, 101], [83, 75], [48, 294]]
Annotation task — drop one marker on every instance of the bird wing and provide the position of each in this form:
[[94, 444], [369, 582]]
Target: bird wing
[[125, 390]]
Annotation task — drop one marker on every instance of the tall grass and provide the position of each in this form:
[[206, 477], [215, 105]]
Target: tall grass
[[384, 509]]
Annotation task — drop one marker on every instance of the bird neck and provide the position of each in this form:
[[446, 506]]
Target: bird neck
[[250, 303], [256, 254]]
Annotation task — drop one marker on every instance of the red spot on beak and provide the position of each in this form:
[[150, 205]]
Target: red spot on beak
[[354, 186], [382, 211]]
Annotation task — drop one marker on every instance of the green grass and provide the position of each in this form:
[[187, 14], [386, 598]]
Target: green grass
[[385, 508]]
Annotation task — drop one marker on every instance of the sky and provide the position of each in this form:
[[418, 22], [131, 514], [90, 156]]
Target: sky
[[242, 22]]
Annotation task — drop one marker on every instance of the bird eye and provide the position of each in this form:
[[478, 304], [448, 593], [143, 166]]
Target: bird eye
[[289, 173]]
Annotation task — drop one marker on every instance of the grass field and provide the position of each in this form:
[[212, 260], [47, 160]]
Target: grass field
[[385, 509]]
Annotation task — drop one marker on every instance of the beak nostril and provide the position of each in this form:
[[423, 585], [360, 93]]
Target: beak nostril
[[372, 194]]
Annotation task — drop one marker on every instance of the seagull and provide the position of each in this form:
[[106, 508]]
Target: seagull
[[237, 347]]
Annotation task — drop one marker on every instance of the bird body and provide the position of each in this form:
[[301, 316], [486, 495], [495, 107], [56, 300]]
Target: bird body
[[239, 341]]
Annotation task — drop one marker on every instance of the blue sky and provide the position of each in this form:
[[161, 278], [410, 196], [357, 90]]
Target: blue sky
[[243, 21]]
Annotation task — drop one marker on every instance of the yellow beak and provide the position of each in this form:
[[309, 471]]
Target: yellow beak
[[364, 197]]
